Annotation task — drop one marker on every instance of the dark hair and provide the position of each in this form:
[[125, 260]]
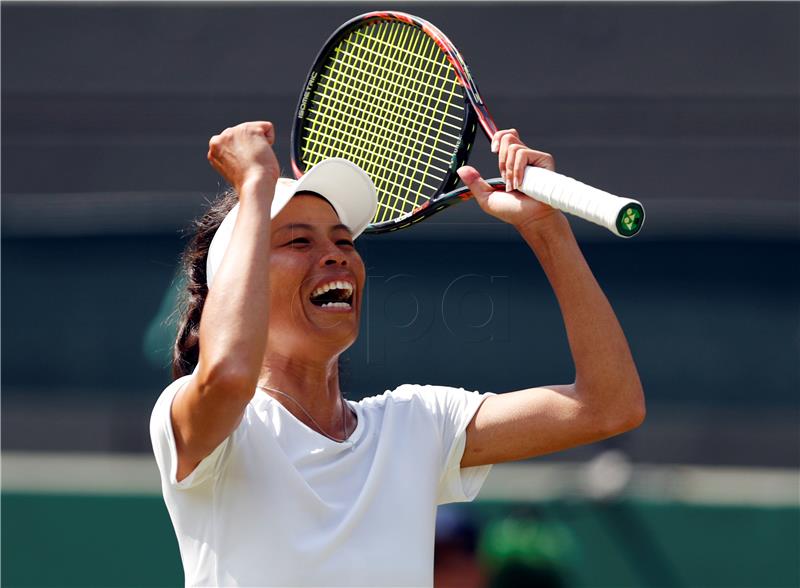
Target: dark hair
[[186, 351]]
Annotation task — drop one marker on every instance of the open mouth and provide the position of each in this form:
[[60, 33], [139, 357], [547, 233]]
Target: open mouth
[[334, 295]]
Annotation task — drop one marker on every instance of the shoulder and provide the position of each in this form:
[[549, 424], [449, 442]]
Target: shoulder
[[432, 398], [164, 401], [402, 394], [161, 417]]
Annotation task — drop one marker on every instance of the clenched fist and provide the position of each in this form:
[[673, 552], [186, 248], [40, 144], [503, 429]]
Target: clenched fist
[[243, 154]]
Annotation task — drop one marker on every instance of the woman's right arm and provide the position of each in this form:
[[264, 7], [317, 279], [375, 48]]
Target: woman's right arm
[[233, 326]]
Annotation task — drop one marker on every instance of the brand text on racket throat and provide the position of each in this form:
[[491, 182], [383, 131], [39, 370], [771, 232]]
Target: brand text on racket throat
[[312, 79]]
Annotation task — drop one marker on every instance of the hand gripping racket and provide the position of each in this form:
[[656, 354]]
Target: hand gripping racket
[[391, 93]]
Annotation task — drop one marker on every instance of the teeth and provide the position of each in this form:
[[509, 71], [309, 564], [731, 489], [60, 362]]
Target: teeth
[[347, 286], [336, 305]]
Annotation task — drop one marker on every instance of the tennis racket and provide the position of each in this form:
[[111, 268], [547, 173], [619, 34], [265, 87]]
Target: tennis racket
[[392, 94]]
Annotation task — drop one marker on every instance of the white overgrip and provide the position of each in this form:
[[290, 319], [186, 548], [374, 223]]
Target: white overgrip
[[576, 198]]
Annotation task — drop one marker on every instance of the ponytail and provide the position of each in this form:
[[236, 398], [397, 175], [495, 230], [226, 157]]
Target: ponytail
[[186, 351]]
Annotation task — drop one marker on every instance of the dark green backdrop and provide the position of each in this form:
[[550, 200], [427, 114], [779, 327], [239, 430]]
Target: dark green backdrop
[[64, 541]]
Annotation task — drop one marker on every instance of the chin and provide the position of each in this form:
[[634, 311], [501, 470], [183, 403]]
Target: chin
[[332, 328], [336, 339]]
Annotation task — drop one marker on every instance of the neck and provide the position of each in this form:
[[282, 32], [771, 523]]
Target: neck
[[312, 386]]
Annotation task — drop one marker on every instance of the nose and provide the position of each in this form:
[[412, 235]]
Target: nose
[[333, 257]]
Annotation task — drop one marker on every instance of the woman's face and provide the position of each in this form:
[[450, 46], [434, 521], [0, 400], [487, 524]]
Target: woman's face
[[316, 280]]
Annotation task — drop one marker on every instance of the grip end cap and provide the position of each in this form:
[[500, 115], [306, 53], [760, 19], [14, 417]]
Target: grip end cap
[[630, 219]]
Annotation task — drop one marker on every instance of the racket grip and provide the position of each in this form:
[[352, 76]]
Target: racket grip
[[622, 216]]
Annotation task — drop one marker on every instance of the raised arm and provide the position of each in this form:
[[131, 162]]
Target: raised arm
[[233, 326], [606, 397]]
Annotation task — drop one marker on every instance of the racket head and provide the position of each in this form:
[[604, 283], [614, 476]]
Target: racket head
[[389, 92]]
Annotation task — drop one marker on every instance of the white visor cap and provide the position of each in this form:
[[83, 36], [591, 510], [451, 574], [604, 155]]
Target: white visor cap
[[346, 186]]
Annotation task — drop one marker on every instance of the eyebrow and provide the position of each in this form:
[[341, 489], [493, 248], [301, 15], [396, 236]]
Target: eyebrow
[[307, 227]]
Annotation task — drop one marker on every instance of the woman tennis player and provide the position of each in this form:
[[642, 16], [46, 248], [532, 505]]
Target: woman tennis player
[[270, 476]]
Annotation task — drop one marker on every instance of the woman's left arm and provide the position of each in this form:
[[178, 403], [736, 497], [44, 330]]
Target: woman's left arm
[[606, 398]]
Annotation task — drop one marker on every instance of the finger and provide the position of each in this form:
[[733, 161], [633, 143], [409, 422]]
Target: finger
[[520, 165], [261, 128], [219, 168], [267, 129], [472, 179], [499, 135], [505, 140], [541, 159], [511, 157], [214, 147]]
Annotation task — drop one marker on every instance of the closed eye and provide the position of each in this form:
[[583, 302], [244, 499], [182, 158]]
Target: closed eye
[[305, 241]]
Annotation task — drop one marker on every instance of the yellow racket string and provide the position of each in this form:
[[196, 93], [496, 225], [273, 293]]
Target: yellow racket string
[[394, 198], [412, 96], [413, 53], [388, 100], [388, 187], [411, 60], [410, 80], [387, 180]]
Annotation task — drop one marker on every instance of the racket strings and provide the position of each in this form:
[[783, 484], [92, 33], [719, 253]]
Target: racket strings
[[378, 150], [341, 101], [417, 81], [388, 121], [416, 55], [431, 111], [387, 99]]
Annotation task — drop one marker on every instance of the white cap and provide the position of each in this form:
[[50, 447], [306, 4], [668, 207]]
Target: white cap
[[341, 182]]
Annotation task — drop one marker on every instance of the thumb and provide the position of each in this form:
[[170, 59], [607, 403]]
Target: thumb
[[472, 179]]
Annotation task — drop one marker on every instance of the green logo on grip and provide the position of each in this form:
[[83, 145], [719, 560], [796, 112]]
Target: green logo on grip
[[630, 219]]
